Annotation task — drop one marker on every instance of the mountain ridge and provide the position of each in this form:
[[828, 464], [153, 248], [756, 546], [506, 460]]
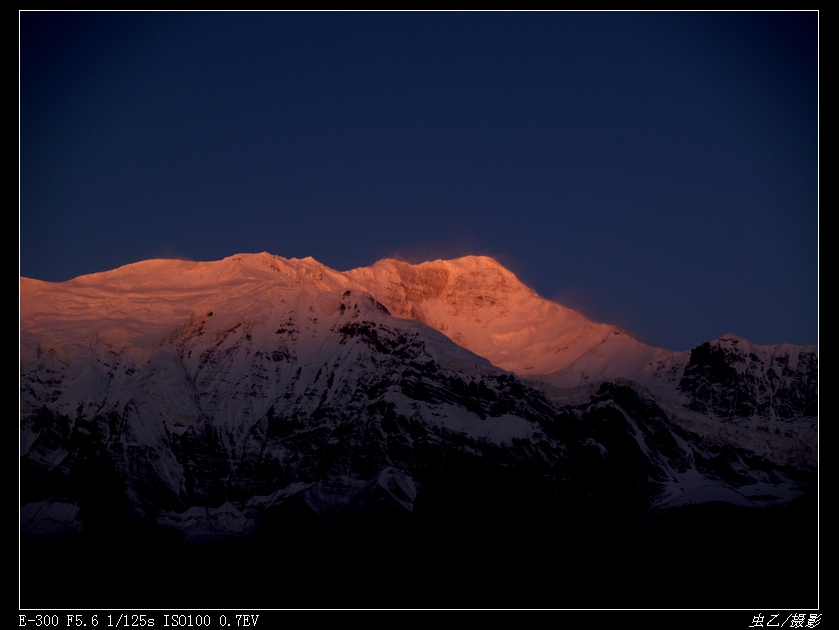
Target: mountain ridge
[[279, 402], [412, 291], [473, 300]]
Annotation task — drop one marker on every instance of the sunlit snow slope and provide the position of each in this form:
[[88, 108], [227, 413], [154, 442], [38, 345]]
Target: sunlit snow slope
[[472, 300]]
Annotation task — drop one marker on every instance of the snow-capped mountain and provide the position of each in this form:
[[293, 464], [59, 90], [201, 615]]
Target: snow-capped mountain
[[235, 397]]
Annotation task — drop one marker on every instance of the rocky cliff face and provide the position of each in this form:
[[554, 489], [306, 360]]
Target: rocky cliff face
[[763, 398], [733, 378]]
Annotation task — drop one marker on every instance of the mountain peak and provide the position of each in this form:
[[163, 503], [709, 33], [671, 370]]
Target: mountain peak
[[730, 339], [473, 300], [471, 262]]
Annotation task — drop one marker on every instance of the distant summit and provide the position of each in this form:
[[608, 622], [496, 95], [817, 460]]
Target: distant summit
[[473, 300]]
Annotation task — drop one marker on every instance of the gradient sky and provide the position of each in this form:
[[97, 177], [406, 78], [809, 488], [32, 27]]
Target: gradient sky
[[654, 170]]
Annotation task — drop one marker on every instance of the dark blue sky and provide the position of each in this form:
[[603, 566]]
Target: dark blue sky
[[658, 171]]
